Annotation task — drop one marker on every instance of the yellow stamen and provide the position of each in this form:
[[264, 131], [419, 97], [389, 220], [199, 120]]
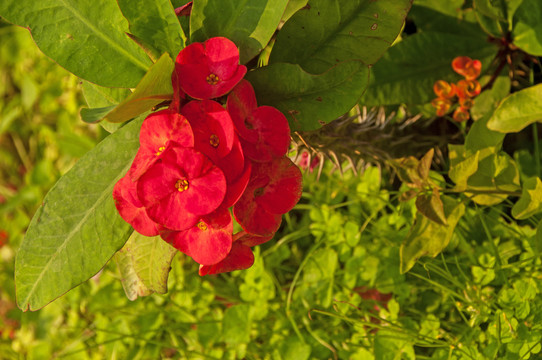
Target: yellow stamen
[[214, 141], [181, 185], [202, 226], [212, 79]]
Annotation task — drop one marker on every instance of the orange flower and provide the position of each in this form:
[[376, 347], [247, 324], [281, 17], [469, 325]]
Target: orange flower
[[465, 66], [444, 89], [468, 88], [442, 105], [461, 114]]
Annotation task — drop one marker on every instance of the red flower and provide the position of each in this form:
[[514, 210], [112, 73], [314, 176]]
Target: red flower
[[214, 134], [251, 239], [208, 242], [158, 131], [264, 130], [468, 88], [444, 89], [274, 188], [131, 209], [181, 188], [210, 69]]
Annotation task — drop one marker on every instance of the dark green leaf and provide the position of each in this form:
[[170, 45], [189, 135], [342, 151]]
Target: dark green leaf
[[327, 32], [530, 202], [248, 23], [518, 110], [407, 71], [426, 237], [491, 8], [84, 38], [528, 27], [309, 101], [155, 23], [77, 229]]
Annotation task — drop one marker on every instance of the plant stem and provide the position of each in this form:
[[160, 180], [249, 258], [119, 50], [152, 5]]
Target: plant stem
[[536, 150]]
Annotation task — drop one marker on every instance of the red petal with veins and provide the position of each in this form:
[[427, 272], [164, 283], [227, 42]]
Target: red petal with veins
[[158, 188], [208, 242], [239, 258], [210, 69], [157, 132], [214, 134], [131, 209]]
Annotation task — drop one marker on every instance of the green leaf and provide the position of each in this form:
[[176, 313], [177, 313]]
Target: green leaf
[[309, 101], [430, 205], [407, 71], [103, 97], [493, 9], [427, 237], [293, 349], [132, 284], [151, 259], [236, 324], [528, 27], [95, 115], [443, 17], [518, 110], [154, 88], [530, 202], [488, 100], [480, 137], [86, 39], [155, 23], [462, 165], [248, 23], [77, 229], [327, 32]]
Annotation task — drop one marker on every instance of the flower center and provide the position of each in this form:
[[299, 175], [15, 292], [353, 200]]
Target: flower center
[[181, 185], [258, 192], [212, 79], [214, 140], [160, 150], [202, 226]]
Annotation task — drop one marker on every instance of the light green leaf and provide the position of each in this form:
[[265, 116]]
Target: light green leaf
[[154, 88], [430, 205], [426, 237], [132, 284], [151, 260], [103, 97], [77, 229], [95, 115], [327, 32], [155, 23], [85, 38], [407, 71], [309, 101], [488, 100], [248, 23], [528, 27], [518, 110], [236, 324], [480, 137], [493, 9], [530, 202]]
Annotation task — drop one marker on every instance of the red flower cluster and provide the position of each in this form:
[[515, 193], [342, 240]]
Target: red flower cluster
[[465, 89], [198, 159]]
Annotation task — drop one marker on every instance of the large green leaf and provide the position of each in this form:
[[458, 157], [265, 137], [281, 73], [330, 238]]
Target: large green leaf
[[527, 30], [248, 23], [77, 229], [327, 32], [155, 23], [309, 101], [427, 237], [530, 202], [407, 71], [518, 110], [151, 260], [154, 88], [85, 38]]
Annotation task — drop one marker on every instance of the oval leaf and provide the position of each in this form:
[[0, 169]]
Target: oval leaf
[[155, 23], [248, 23], [530, 202], [309, 101], [86, 39], [518, 110], [528, 27], [327, 32], [77, 229]]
